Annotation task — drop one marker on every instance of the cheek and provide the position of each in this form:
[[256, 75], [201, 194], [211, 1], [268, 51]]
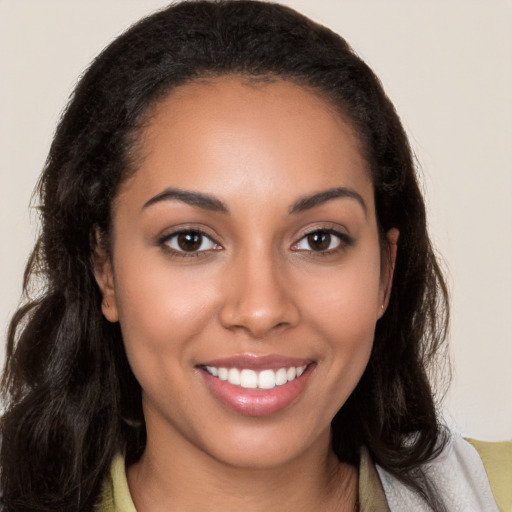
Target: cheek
[[161, 318], [343, 307], [161, 311], [345, 301]]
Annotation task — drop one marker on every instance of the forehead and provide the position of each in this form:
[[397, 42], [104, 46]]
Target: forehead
[[264, 136]]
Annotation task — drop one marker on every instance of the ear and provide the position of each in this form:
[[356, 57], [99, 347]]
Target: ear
[[388, 259], [104, 275]]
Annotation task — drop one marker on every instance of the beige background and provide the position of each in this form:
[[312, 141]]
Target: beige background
[[447, 65]]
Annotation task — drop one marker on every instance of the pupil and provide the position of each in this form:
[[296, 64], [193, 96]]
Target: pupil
[[319, 241], [190, 241]]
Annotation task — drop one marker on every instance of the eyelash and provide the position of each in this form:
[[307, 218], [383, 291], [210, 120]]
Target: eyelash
[[167, 240]]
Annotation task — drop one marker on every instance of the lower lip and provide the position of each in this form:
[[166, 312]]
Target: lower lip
[[256, 402]]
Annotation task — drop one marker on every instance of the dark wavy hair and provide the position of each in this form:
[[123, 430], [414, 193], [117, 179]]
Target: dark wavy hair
[[72, 401]]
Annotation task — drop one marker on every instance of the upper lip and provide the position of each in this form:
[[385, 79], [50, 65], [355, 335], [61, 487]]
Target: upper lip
[[254, 362]]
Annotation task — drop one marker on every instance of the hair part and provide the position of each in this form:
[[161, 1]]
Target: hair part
[[72, 399]]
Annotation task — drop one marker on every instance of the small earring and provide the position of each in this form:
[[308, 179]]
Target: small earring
[[382, 307]]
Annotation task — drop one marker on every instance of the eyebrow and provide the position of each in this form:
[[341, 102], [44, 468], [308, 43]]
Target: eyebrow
[[211, 203], [307, 202], [199, 199]]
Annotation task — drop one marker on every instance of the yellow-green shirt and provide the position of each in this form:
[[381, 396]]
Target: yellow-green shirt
[[496, 457]]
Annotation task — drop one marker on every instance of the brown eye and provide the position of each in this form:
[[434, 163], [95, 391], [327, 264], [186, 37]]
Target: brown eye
[[323, 241], [189, 242], [319, 240]]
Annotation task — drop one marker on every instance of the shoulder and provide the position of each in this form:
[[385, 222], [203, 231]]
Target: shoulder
[[458, 478], [497, 461]]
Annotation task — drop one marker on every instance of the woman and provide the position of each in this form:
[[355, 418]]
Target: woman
[[241, 300]]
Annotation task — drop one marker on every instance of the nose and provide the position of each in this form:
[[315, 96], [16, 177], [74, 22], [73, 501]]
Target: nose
[[258, 296]]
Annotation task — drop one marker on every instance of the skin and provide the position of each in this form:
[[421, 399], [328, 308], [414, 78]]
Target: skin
[[257, 288]]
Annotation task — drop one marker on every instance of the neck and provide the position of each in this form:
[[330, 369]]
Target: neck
[[173, 477]]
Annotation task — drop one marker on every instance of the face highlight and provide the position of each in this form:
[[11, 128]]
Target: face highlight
[[246, 271]]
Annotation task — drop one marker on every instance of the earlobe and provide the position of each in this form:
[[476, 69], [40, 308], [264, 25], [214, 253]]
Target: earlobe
[[104, 275], [388, 267]]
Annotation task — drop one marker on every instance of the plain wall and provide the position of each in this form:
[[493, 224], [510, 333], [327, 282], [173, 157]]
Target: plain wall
[[446, 64]]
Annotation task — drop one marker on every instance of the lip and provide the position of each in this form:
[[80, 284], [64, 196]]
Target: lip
[[256, 402]]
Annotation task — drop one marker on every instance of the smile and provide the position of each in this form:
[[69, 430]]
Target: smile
[[250, 379], [257, 386]]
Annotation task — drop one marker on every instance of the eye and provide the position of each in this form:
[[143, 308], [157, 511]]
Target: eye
[[322, 240], [189, 241]]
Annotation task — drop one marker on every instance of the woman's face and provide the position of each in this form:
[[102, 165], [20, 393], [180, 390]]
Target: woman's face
[[246, 270]]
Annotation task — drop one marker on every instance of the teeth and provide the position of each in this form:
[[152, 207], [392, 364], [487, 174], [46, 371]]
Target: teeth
[[281, 377], [234, 377], [291, 373], [267, 379], [213, 370], [250, 379]]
